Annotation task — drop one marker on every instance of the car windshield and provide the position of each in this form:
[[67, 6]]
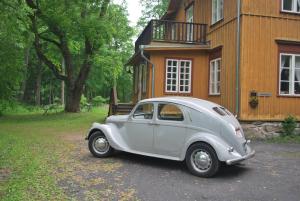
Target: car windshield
[[144, 111]]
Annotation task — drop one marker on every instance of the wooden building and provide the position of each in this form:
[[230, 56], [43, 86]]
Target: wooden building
[[242, 54]]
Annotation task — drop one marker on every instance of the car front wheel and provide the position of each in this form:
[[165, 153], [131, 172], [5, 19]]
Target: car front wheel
[[99, 145], [202, 160]]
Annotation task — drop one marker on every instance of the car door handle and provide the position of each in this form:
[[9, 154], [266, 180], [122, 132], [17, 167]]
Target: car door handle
[[153, 124]]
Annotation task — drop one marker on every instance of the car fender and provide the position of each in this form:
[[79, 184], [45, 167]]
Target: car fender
[[112, 134], [217, 143]]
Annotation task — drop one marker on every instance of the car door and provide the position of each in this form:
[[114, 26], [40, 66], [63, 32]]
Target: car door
[[139, 129], [170, 129]]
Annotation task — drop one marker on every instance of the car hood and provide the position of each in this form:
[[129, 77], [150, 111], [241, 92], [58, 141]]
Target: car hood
[[117, 118]]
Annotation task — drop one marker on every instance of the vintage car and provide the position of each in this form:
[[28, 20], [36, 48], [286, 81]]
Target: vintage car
[[200, 132]]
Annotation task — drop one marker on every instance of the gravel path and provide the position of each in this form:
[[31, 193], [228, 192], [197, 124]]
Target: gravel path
[[273, 174]]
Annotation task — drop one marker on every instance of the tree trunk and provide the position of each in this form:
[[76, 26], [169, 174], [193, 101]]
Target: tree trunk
[[73, 99], [38, 84], [26, 61], [62, 97]]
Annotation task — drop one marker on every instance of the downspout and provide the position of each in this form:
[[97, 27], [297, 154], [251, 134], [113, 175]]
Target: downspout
[[237, 70], [142, 47]]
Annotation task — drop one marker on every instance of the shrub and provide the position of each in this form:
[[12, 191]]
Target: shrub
[[289, 125], [99, 100], [83, 101]]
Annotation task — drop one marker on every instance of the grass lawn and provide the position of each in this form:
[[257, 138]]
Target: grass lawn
[[30, 145]]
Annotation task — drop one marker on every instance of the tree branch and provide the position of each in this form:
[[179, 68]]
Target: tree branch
[[103, 8], [31, 4], [40, 53], [50, 40]]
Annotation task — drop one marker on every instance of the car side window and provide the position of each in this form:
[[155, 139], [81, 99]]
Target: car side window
[[144, 111], [170, 112]]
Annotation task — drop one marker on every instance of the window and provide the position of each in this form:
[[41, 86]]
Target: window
[[215, 77], [178, 76], [291, 6], [169, 112], [289, 74], [190, 19], [144, 111], [217, 10]]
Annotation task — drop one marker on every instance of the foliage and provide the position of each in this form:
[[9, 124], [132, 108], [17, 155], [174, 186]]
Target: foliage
[[289, 125], [99, 101], [28, 26], [83, 101], [152, 10], [13, 39], [285, 139]]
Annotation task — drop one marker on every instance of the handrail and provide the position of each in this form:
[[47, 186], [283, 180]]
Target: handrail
[[172, 32]]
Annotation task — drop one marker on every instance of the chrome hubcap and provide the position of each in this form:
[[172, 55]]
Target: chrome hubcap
[[201, 160], [101, 145]]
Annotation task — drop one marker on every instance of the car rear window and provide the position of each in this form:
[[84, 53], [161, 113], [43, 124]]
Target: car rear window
[[219, 111]]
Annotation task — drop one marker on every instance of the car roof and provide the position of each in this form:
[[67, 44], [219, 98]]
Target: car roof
[[186, 101]]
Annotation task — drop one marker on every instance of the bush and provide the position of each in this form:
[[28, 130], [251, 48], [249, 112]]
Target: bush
[[289, 125], [99, 101], [83, 101]]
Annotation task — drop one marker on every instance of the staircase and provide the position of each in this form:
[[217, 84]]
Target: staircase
[[116, 108]]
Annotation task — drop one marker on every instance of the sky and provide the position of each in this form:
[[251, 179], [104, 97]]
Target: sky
[[134, 10]]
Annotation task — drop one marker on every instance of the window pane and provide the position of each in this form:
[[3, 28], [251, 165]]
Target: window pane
[[218, 87], [297, 88], [285, 74], [220, 9], [297, 74], [144, 111], [286, 61], [297, 62], [169, 112], [288, 5], [298, 5], [284, 87]]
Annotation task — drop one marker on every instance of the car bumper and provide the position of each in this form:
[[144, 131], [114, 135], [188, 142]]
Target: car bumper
[[237, 160]]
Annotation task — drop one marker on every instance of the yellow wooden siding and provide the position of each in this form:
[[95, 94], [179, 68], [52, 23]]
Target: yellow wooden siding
[[260, 67], [271, 8], [199, 71]]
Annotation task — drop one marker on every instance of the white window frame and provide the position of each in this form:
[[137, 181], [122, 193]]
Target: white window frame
[[178, 78], [213, 73], [218, 9], [291, 75], [294, 9]]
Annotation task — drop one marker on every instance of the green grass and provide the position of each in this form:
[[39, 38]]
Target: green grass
[[29, 145], [295, 139]]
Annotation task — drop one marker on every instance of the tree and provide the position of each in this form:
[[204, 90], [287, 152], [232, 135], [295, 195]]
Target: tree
[[13, 41], [78, 30], [152, 10], [109, 66]]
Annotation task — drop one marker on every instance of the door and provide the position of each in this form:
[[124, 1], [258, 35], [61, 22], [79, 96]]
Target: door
[[170, 130], [189, 27], [139, 129]]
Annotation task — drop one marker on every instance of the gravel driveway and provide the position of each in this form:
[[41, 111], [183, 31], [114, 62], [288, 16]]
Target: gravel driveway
[[273, 174]]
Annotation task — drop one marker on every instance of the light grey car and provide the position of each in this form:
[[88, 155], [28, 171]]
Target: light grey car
[[200, 132]]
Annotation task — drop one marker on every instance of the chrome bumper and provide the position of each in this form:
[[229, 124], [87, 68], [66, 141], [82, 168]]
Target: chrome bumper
[[236, 160]]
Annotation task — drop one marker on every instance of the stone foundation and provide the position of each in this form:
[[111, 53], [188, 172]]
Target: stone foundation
[[264, 130]]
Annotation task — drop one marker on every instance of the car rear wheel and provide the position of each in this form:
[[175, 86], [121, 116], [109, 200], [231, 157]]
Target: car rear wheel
[[99, 145], [202, 160]]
